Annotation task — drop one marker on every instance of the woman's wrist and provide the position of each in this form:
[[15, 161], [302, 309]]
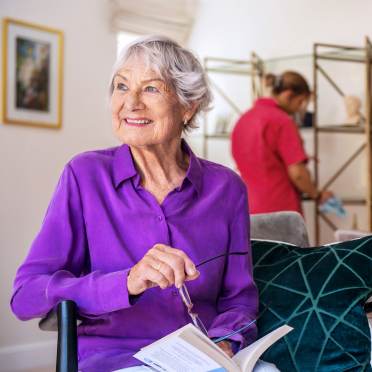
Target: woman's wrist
[[317, 195]]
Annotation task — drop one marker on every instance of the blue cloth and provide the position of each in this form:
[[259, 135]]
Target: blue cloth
[[333, 205]]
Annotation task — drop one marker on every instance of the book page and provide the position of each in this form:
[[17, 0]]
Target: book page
[[247, 358], [207, 346], [195, 337], [177, 355], [196, 332], [176, 333]]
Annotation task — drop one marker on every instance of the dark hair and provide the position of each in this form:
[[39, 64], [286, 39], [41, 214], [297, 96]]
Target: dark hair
[[290, 80]]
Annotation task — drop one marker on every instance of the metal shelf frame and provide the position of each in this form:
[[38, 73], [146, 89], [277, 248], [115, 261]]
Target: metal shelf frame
[[254, 67], [342, 53]]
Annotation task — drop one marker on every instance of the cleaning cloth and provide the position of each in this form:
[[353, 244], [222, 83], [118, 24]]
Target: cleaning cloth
[[333, 205]]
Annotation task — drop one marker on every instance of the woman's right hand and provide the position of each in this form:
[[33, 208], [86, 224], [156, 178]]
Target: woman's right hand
[[161, 266], [324, 195]]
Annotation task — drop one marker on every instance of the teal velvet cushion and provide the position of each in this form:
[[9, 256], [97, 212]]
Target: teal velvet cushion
[[321, 293]]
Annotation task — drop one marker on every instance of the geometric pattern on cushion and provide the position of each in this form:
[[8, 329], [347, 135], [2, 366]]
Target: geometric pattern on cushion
[[320, 292]]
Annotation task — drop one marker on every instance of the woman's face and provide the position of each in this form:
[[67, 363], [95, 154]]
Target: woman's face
[[145, 111], [297, 103]]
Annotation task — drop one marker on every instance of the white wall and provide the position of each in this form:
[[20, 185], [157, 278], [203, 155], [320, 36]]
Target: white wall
[[31, 159], [273, 28], [232, 28]]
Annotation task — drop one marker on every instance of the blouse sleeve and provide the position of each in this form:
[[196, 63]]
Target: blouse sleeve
[[57, 264], [238, 302]]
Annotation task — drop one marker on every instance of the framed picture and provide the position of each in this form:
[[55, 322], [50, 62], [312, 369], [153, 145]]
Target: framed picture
[[32, 74]]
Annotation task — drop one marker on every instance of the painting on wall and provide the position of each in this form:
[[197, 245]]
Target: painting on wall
[[32, 74]]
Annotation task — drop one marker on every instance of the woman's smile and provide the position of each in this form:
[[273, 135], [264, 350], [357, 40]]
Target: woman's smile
[[137, 122]]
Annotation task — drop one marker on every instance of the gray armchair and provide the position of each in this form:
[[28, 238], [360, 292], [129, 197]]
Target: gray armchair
[[288, 227]]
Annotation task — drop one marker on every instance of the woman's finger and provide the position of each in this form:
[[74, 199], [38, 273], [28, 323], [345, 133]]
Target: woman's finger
[[161, 265], [193, 277], [190, 268], [226, 347], [174, 262], [155, 277]]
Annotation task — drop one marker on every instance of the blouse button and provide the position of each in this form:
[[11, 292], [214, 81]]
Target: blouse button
[[160, 218]]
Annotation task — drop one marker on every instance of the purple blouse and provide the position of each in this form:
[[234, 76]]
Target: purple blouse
[[100, 222]]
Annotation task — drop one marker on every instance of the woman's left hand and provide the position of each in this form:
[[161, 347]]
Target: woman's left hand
[[163, 266], [226, 347]]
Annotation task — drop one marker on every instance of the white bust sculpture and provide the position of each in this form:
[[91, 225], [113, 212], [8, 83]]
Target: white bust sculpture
[[353, 105]]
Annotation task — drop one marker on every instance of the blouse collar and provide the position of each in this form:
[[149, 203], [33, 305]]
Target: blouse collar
[[123, 167]]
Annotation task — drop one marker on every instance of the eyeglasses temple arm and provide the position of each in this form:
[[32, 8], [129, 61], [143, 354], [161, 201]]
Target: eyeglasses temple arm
[[222, 255], [217, 340]]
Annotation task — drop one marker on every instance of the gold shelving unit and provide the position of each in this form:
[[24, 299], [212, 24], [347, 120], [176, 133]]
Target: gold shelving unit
[[253, 68], [345, 54]]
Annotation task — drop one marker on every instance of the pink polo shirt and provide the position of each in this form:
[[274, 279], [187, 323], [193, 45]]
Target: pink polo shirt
[[265, 141]]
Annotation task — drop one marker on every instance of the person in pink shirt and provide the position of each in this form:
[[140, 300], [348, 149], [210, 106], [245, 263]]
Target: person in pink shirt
[[269, 152]]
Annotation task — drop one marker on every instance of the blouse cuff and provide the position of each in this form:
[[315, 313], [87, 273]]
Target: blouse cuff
[[114, 292]]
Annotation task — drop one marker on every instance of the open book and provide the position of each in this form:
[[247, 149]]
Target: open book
[[189, 350]]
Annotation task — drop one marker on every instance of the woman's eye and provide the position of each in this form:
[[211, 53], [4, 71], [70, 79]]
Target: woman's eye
[[151, 89], [121, 86]]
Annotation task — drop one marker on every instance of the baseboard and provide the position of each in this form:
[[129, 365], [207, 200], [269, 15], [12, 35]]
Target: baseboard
[[28, 356]]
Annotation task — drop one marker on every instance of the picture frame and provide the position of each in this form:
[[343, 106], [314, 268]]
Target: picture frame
[[32, 74]]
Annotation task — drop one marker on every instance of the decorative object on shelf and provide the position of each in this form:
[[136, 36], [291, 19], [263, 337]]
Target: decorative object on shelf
[[305, 115], [32, 74], [268, 81], [353, 106], [308, 119], [222, 124], [354, 222], [304, 120]]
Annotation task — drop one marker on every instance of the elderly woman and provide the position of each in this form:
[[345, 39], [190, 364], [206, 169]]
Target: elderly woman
[[127, 226]]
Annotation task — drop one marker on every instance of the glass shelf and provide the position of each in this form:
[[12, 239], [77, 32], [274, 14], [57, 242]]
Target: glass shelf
[[229, 66], [345, 201], [341, 53], [218, 135], [341, 128], [354, 201]]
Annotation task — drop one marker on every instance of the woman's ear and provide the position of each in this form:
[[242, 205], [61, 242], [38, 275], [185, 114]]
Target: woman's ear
[[190, 112], [288, 94]]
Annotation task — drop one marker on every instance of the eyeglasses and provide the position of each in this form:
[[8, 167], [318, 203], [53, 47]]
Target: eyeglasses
[[184, 293], [189, 305]]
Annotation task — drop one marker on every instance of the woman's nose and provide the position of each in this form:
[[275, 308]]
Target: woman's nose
[[133, 101]]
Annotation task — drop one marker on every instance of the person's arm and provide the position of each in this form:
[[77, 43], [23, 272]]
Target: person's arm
[[238, 301], [54, 268], [290, 148], [301, 178]]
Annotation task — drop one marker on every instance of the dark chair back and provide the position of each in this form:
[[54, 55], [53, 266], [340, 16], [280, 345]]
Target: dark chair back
[[67, 360]]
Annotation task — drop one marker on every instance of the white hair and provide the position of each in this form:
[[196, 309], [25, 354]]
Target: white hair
[[179, 68]]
